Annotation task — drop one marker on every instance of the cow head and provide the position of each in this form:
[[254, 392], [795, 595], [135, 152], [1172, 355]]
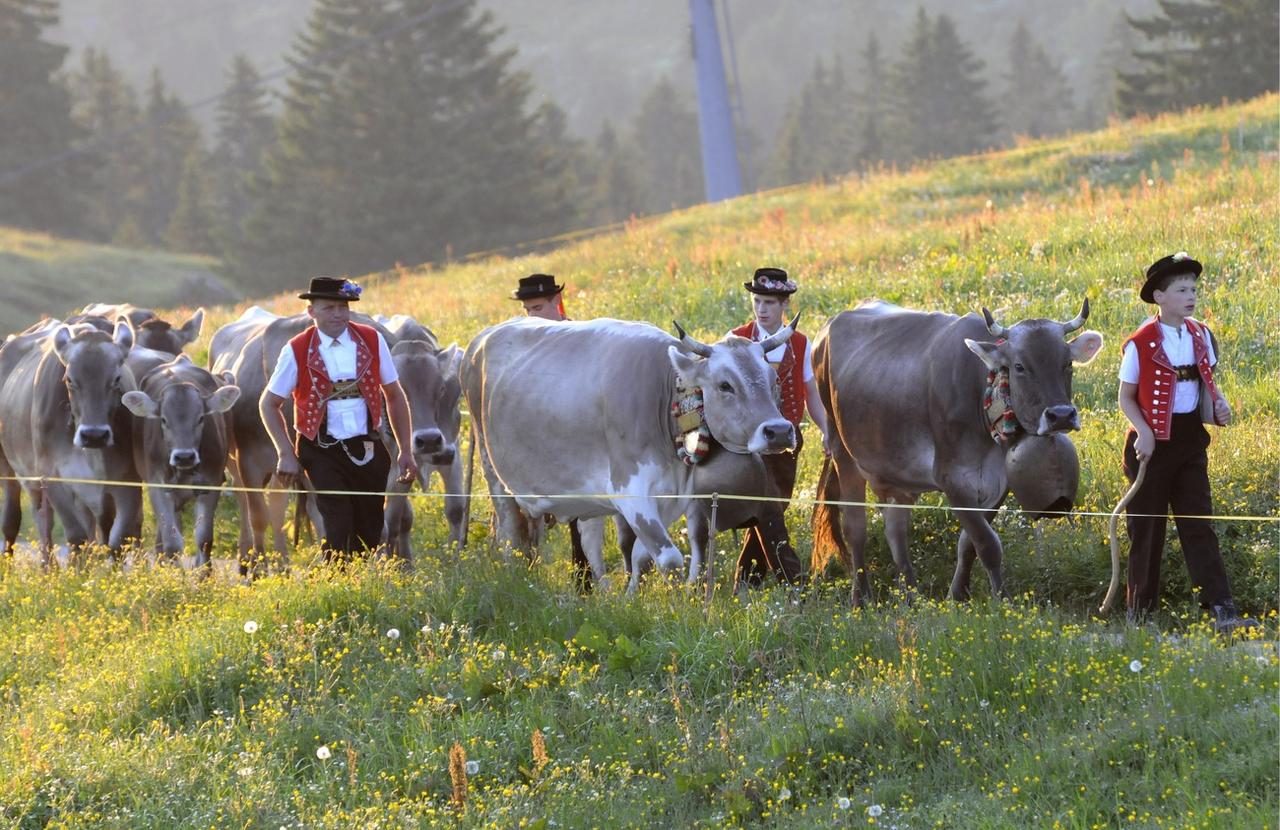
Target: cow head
[[160, 335], [181, 408], [739, 389], [429, 377], [94, 373], [1039, 360]]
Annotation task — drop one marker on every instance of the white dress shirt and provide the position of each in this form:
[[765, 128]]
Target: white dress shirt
[[346, 418], [1181, 352], [775, 357]]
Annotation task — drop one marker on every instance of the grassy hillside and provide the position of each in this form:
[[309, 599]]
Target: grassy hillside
[[47, 276], [335, 699]]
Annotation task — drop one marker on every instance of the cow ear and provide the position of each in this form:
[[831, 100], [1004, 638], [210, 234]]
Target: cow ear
[[1086, 347], [689, 366], [223, 399], [450, 361], [123, 334], [61, 339], [140, 404], [989, 353], [191, 329]]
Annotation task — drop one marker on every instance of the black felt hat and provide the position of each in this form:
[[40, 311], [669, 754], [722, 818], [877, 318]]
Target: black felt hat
[[536, 285], [332, 288], [771, 281], [1174, 265]]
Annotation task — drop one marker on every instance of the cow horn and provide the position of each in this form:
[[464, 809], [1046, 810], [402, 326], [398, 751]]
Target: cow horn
[[1077, 321], [995, 328], [782, 336], [701, 349]]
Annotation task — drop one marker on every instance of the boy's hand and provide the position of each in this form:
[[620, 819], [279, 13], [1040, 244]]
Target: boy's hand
[[1222, 411], [1145, 444]]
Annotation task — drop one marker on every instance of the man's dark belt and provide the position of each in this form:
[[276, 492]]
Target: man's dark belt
[[344, 390], [1187, 372]]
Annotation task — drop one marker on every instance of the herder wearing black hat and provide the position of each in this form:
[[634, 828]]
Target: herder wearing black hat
[[768, 546], [1166, 391], [337, 373], [542, 297]]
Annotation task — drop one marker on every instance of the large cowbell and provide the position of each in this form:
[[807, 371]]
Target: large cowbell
[[1044, 474]]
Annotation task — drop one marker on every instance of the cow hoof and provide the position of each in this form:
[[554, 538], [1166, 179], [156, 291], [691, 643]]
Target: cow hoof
[[670, 560]]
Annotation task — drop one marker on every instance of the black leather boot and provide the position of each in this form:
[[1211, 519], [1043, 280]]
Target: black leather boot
[[1227, 620]]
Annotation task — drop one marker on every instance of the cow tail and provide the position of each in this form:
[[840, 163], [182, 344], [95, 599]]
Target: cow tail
[[828, 537]]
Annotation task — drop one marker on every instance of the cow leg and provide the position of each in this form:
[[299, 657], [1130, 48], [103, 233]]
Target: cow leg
[[626, 541], [167, 525], [12, 517], [455, 501], [897, 526], [72, 515], [698, 522], [853, 524], [397, 521], [656, 546], [591, 532], [205, 510], [980, 539], [126, 521], [242, 509]]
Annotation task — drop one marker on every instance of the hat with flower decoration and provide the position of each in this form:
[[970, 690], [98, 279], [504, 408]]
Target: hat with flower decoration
[[1166, 268], [332, 288], [771, 281]]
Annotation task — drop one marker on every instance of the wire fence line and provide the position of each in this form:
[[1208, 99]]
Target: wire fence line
[[801, 499]]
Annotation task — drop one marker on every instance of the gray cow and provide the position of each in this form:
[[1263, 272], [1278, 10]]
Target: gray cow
[[150, 332], [904, 392], [573, 419], [180, 437], [60, 417], [429, 377]]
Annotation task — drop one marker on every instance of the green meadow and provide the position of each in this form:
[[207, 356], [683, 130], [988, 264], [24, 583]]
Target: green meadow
[[473, 691]]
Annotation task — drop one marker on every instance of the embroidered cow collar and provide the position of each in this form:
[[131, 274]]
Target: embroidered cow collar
[[693, 436], [997, 407]]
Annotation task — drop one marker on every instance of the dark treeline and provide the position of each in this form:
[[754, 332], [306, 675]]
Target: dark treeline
[[404, 135]]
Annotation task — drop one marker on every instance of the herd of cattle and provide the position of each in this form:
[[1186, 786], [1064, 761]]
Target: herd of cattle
[[571, 419]]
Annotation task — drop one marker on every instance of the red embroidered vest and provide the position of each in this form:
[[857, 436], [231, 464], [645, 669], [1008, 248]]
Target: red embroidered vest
[[1158, 382], [311, 393], [790, 372]]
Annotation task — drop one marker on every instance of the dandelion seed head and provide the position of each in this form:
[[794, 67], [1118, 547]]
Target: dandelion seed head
[[843, 802], [323, 753], [393, 634], [875, 811], [250, 626], [784, 794], [1135, 666], [473, 767]]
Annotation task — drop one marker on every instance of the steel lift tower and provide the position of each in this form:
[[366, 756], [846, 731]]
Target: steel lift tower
[[720, 174]]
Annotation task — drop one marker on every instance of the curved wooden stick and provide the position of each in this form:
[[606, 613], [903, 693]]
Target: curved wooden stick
[[1115, 540]]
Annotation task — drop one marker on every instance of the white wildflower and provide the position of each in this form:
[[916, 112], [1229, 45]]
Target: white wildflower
[[323, 753], [1135, 666], [250, 626], [875, 811], [393, 634], [843, 802], [784, 794], [473, 767]]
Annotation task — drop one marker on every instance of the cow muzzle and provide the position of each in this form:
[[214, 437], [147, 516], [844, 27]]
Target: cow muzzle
[[184, 459], [1061, 418], [773, 436], [427, 441], [93, 438]]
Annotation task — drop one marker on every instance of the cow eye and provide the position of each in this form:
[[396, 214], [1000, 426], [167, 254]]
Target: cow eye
[[726, 386], [1018, 367]]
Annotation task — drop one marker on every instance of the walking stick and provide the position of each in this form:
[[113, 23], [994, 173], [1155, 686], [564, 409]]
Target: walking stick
[[711, 555], [471, 466], [1115, 539]]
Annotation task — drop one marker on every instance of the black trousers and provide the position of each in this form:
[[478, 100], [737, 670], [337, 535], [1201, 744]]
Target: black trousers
[[1177, 479], [352, 524], [767, 546]]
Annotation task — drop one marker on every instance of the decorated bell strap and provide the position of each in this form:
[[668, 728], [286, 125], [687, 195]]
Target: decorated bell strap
[[693, 436], [1001, 420]]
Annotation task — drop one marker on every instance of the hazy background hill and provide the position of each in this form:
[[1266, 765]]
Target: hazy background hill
[[597, 60]]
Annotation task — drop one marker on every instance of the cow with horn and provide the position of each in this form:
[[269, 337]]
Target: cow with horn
[[574, 419], [919, 402]]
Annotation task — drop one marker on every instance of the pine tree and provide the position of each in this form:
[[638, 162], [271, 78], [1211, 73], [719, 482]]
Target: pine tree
[[1037, 100], [169, 135], [404, 136], [871, 104], [664, 136], [616, 194], [245, 130], [819, 137], [39, 181], [191, 226], [106, 109], [1102, 98], [1203, 53], [938, 104]]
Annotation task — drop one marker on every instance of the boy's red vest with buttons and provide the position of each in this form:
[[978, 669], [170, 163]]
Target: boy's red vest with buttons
[[1157, 380], [790, 372], [314, 386]]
